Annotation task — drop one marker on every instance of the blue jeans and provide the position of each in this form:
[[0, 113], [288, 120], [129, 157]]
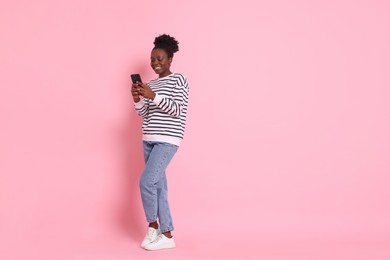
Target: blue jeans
[[153, 183]]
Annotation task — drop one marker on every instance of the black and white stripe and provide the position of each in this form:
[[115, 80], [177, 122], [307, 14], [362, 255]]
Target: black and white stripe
[[165, 116]]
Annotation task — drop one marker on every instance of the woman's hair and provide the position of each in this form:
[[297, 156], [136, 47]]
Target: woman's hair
[[167, 43]]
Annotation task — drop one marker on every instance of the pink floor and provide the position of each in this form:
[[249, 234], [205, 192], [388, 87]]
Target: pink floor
[[209, 246]]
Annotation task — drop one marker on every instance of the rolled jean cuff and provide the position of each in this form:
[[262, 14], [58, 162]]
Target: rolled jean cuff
[[151, 221], [166, 229]]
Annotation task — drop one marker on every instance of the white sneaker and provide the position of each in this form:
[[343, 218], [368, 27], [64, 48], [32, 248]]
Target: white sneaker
[[161, 242], [151, 235]]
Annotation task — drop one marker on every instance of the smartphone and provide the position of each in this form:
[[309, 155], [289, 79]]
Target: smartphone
[[136, 78]]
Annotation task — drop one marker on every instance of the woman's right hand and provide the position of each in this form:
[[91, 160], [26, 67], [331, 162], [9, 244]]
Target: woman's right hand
[[134, 91]]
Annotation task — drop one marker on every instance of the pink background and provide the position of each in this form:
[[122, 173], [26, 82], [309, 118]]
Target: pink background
[[286, 153]]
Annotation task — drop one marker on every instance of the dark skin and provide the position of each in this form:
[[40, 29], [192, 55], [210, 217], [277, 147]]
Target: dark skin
[[161, 64]]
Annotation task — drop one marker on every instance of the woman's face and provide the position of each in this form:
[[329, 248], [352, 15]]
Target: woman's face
[[160, 62]]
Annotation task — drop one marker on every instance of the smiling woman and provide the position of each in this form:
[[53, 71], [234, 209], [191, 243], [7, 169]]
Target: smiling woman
[[163, 105]]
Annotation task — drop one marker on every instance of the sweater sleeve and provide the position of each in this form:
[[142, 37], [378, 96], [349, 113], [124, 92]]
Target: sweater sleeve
[[174, 105], [141, 107]]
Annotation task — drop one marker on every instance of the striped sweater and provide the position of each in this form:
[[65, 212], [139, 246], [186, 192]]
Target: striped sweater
[[165, 116]]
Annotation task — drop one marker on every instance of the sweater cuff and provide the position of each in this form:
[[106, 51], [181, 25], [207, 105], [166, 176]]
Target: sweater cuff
[[157, 99], [140, 103]]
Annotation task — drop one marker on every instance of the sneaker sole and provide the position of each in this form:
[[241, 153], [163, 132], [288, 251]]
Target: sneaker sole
[[162, 248]]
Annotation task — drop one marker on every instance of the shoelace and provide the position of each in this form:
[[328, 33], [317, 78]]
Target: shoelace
[[151, 232]]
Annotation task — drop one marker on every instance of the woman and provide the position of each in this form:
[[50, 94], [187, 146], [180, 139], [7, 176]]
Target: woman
[[163, 105]]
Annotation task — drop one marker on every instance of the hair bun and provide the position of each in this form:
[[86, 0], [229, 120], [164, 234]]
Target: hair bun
[[168, 43]]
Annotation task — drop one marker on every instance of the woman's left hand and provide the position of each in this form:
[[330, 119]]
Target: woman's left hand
[[147, 92]]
